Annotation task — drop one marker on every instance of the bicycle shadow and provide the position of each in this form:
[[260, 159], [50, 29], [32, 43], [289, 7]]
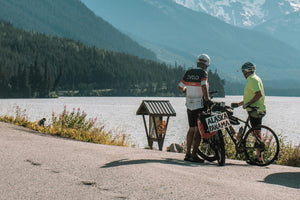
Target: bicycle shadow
[[169, 161], [288, 179]]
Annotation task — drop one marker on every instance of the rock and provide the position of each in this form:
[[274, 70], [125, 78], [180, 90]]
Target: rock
[[175, 148]]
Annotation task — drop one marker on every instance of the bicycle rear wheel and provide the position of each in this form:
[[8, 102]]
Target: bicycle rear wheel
[[267, 145], [213, 149], [206, 149], [220, 149]]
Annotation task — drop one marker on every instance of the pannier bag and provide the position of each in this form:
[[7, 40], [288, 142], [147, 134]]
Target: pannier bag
[[202, 126]]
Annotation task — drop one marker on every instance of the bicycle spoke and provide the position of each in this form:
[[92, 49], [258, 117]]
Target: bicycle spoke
[[261, 145], [205, 150]]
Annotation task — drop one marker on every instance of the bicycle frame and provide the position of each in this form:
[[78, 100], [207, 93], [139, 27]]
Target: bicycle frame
[[260, 144], [245, 128]]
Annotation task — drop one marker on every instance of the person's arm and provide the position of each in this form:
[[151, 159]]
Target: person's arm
[[181, 85], [182, 89], [256, 97], [235, 105], [205, 92]]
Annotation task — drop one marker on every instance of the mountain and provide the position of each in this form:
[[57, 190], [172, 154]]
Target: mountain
[[285, 28], [166, 54], [279, 18], [243, 13], [169, 24], [72, 19], [36, 65]]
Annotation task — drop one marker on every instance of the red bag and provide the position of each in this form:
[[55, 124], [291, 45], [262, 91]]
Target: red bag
[[202, 126]]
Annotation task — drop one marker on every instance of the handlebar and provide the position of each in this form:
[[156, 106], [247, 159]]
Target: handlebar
[[217, 106], [221, 106], [213, 92], [236, 105]]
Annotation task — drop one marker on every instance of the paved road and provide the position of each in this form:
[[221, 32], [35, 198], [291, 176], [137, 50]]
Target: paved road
[[37, 166]]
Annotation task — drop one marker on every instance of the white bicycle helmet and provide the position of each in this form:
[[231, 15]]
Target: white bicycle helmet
[[204, 58], [248, 67]]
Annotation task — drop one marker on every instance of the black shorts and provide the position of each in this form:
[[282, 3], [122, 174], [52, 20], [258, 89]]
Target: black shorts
[[193, 115], [255, 121]]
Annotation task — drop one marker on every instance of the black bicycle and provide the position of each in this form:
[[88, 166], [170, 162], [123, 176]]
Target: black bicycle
[[251, 142]]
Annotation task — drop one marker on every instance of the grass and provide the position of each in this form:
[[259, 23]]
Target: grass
[[73, 125], [289, 154]]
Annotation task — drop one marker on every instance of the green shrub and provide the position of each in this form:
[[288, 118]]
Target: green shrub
[[73, 125], [288, 155]]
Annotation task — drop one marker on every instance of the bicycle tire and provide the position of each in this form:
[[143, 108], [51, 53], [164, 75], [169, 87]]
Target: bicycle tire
[[268, 144], [213, 149], [206, 150], [220, 150]]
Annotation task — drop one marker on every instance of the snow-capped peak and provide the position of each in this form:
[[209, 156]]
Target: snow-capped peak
[[295, 4], [246, 13]]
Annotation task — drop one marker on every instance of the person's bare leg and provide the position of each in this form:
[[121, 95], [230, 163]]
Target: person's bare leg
[[196, 143], [258, 151], [189, 140]]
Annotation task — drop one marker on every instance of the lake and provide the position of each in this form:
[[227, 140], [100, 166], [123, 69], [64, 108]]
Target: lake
[[120, 113]]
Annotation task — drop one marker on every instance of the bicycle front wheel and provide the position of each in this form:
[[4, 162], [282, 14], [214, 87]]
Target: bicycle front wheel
[[261, 146]]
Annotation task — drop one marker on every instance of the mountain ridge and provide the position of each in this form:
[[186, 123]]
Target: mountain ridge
[[285, 28], [243, 13], [65, 18], [195, 33]]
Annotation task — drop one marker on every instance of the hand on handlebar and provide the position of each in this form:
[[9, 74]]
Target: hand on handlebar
[[208, 103], [246, 105], [234, 105]]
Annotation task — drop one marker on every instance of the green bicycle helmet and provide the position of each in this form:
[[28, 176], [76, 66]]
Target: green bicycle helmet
[[248, 67]]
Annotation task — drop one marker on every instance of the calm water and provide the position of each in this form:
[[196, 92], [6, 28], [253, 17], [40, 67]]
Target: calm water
[[120, 112]]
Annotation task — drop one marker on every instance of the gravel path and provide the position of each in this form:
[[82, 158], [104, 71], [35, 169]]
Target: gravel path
[[38, 166]]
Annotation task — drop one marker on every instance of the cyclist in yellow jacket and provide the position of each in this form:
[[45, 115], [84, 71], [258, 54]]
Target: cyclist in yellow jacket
[[254, 96]]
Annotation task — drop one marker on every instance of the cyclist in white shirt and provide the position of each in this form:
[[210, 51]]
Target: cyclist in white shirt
[[195, 85]]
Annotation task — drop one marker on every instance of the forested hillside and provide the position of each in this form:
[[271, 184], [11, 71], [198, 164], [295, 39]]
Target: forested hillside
[[36, 65], [71, 19]]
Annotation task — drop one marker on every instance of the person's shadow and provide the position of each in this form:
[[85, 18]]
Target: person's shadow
[[288, 179]]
